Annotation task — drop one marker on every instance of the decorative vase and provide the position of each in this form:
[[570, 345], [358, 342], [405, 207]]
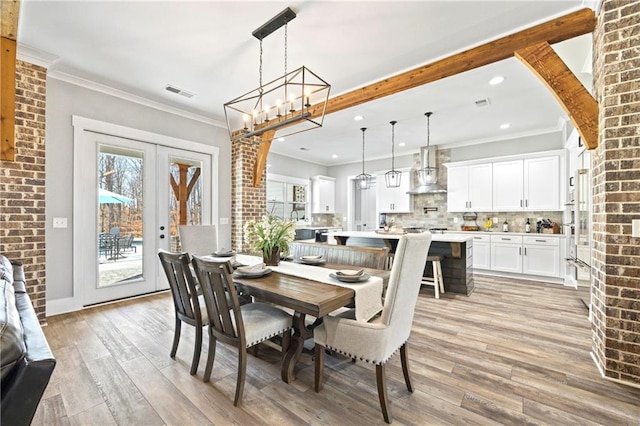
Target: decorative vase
[[273, 259]]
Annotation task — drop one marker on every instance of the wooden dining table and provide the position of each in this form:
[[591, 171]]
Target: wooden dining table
[[305, 297]]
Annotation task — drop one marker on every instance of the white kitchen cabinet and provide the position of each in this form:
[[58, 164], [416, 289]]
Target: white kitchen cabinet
[[394, 200], [506, 253], [481, 252], [469, 188], [541, 256], [532, 184], [323, 194]]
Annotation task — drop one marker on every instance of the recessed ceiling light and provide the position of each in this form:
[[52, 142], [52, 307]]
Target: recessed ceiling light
[[358, 117], [334, 156], [280, 139], [401, 144], [505, 126], [496, 80]]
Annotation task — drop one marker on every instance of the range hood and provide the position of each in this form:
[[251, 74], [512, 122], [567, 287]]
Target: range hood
[[427, 184]]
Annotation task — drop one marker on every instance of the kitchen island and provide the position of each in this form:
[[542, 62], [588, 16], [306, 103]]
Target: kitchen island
[[457, 250]]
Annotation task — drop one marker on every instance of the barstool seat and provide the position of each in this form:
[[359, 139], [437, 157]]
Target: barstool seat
[[436, 281]]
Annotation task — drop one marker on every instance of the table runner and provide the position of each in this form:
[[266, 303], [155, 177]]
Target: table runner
[[368, 294]]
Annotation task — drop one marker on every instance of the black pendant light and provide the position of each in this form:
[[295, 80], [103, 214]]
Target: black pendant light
[[393, 177], [363, 179]]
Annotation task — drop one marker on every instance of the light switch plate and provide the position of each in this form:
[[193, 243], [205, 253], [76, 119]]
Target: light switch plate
[[455, 219], [59, 222], [224, 221], [635, 228]]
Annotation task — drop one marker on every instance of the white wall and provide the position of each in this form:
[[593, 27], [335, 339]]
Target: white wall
[[292, 167], [65, 100], [524, 145]]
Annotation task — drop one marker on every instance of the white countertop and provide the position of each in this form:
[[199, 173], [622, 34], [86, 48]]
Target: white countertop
[[446, 238], [531, 234]]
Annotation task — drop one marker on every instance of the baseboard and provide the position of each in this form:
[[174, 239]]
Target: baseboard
[[552, 280], [621, 382], [62, 306]]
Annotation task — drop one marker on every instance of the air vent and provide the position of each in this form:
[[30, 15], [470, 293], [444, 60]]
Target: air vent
[[483, 102], [178, 91]]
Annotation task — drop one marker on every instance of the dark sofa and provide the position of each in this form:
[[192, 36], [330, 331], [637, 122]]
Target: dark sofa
[[26, 361]]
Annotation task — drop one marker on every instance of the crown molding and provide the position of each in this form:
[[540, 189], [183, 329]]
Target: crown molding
[[510, 136], [108, 90], [35, 56]]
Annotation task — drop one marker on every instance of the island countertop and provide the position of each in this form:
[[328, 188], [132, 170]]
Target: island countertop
[[445, 238]]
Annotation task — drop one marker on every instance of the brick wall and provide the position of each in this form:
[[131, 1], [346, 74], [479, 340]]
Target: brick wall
[[616, 192], [22, 184], [247, 202]]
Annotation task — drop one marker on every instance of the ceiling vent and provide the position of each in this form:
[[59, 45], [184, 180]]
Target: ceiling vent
[[178, 91], [483, 102]]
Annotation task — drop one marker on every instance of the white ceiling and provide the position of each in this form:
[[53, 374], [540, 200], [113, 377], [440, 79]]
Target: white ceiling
[[206, 47]]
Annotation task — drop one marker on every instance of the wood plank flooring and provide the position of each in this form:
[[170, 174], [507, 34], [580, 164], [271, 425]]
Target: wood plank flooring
[[514, 352]]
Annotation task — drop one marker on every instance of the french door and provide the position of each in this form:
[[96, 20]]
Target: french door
[[127, 206]]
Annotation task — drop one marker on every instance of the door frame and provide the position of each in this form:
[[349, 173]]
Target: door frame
[[83, 129]]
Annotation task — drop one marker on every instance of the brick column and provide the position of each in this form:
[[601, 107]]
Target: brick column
[[22, 184], [247, 202], [616, 192]]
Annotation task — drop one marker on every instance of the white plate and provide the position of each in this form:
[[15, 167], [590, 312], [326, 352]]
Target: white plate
[[252, 274], [224, 254], [348, 279], [314, 261]]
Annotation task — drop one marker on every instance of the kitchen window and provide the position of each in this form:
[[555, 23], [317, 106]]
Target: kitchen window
[[287, 197]]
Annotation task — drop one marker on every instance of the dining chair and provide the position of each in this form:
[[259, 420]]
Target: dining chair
[[241, 326], [189, 307], [198, 240], [377, 340]]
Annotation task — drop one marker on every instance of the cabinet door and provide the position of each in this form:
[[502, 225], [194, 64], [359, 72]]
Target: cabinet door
[[323, 195], [541, 260], [394, 200], [481, 255], [508, 186], [457, 189], [506, 257], [481, 187], [542, 184]]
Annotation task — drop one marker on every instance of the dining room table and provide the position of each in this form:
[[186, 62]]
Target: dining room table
[[311, 290]]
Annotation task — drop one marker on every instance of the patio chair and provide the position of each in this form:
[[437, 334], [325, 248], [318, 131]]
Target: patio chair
[[200, 240], [126, 243], [189, 307], [242, 326], [377, 340]]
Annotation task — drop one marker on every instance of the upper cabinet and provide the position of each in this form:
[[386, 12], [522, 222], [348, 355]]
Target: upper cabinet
[[323, 193], [516, 183], [394, 200], [469, 187]]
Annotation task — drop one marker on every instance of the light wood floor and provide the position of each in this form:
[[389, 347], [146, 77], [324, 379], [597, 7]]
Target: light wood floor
[[514, 352]]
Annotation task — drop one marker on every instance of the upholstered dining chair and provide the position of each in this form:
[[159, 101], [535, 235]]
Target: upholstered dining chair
[[200, 240], [242, 326], [189, 307], [377, 340]]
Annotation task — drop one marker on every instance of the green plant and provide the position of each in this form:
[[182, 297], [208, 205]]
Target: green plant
[[268, 234]]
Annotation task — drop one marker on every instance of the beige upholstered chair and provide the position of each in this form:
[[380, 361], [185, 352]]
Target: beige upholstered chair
[[189, 307], [240, 326], [200, 240], [376, 341]]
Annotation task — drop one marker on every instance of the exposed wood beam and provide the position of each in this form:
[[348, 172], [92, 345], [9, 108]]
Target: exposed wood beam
[[559, 29], [7, 98], [9, 12], [261, 157], [581, 107]]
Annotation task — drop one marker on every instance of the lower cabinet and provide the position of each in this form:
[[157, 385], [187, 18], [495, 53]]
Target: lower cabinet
[[506, 253], [481, 252], [541, 256]]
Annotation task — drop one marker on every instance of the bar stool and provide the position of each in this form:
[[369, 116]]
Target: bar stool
[[436, 281]]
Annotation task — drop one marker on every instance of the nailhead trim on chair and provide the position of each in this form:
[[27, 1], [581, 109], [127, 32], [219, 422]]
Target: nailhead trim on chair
[[366, 360], [249, 344]]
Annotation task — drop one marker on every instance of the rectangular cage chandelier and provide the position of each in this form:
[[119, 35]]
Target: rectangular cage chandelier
[[290, 104]]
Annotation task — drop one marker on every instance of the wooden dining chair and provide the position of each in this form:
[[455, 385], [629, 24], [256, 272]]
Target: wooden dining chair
[[377, 340], [189, 307], [241, 326]]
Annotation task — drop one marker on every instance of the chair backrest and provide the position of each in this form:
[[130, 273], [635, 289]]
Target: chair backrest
[[221, 299], [367, 257], [183, 286], [114, 231], [404, 283], [198, 240]]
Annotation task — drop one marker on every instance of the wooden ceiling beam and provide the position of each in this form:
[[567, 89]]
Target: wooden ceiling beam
[[9, 12], [576, 100], [261, 157]]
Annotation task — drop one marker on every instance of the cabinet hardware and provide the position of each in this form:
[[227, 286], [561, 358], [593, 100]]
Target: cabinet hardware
[[526, 203], [525, 251], [520, 203], [505, 239], [541, 241], [520, 250]]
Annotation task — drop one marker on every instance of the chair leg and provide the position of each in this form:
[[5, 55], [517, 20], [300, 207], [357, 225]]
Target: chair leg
[[319, 368], [210, 358], [242, 372], [436, 279], [440, 278], [404, 359], [176, 338], [196, 351], [382, 393]]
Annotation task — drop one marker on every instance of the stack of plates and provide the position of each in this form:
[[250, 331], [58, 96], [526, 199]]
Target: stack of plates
[[224, 253], [349, 276], [312, 260], [258, 270]]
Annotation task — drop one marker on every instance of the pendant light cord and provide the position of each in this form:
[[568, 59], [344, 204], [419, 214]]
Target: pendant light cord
[[363, 129], [393, 144], [428, 114]]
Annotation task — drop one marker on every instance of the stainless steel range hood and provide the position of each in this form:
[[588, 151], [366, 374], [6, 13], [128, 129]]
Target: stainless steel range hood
[[427, 184]]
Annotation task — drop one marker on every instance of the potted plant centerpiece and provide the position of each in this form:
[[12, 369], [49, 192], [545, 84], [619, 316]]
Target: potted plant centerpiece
[[270, 236]]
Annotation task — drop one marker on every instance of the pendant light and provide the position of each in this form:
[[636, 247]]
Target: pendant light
[[393, 177], [363, 179], [427, 174]]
